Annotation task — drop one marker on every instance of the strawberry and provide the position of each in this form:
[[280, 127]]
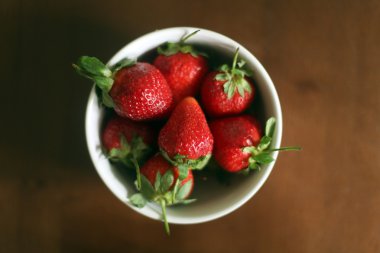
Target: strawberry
[[186, 140], [135, 90], [127, 141], [227, 91], [162, 183], [239, 144], [182, 66]]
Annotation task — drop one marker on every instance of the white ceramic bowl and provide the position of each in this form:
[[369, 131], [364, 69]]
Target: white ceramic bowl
[[214, 200]]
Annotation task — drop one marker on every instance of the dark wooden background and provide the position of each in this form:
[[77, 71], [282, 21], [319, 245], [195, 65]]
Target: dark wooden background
[[324, 58]]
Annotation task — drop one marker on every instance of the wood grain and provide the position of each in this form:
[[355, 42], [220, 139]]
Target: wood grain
[[324, 59]]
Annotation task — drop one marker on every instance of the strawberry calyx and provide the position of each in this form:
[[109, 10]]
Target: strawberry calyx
[[184, 164], [163, 193], [234, 77], [102, 75], [261, 154], [131, 154], [171, 48], [135, 149]]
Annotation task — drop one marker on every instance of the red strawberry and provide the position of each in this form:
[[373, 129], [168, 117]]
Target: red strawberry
[[135, 90], [239, 144], [127, 141], [186, 137], [162, 183], [183, 68], [227, 91], [231, 136]]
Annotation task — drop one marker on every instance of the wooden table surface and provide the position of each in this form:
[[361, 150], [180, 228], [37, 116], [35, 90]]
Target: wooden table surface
[[324, 58]]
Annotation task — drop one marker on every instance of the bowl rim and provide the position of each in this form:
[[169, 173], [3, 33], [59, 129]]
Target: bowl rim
[[108, 179]]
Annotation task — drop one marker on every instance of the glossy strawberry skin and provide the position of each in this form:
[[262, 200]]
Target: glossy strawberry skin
[[215, 101], [158, 164], [183, 72], [140, 92], [231, 135], [186, 132]]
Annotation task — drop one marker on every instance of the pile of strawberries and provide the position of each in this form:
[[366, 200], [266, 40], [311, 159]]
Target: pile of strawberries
[[172, 115]]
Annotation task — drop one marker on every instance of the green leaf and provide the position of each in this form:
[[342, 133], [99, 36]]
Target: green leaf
[[270, 127], [166, 181], [104, 83], [94, 69], [114, 153], [186, 49], [181, 160], [224, 68], [263, 158], [157, 182], [107, 100], [124, 143], [137, 169], [184, 190], [252, 165], [221, 77], [122, 152], [140, 150], [241, 90], [241, 63], [250, 149], [168, 196], [167, 158], [138, 143], [138, 200], [231, 91], [160, 50], [226, 86], [175, 190], [122, 64], [264, 143], [169, 48], [179, 157], [199, 163], [117, 154], [246, 86], [238, 73], [183, 171], [93, 66], [146, 188]]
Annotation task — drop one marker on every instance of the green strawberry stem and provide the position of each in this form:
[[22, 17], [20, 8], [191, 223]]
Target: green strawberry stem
[[166, 224], [235, 60], [291, 148], [138, 175], [188, 36]]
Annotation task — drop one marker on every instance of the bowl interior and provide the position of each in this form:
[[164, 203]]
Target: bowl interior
[[216, 193]]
